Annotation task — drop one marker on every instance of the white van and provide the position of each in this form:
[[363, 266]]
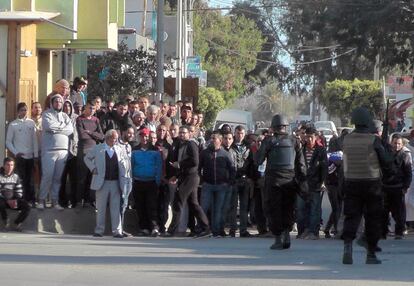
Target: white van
[[234, 117]]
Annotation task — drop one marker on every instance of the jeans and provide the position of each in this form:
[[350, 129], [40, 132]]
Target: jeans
[[212, 198], [309, 213], [335, 199], [240, 194]]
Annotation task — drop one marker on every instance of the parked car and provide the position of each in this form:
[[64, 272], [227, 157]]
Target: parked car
[[326, 125], [327, 133]]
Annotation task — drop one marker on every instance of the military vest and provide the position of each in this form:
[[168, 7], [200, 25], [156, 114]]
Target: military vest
[[360, 160], [281, 154]]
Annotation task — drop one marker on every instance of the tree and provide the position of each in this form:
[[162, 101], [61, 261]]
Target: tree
[[228, 47], [121, 73], [271, 100], [210, 102], [340, 97]]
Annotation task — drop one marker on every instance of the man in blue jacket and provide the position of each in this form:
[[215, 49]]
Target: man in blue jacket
[[146, 171], [218, 172]]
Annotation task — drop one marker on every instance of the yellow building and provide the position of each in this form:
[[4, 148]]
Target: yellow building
[[42, 41]]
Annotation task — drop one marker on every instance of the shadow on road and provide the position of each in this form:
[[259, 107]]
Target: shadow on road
[[228, 258]]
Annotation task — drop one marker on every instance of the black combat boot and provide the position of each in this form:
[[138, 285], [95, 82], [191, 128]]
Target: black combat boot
[[347, 257], [371, 257], [286, 239], [278, 245]]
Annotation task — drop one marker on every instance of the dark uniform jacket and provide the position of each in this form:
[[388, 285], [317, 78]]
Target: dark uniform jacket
[[281, 176]]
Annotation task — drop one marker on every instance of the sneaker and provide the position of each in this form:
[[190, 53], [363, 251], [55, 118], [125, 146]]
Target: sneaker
[[126, 234], [222, 233], [155, 233], [398, 236], [204, 233], [328, 234], [144, 232], [167, 234], [58, 207], [97, 235], [118, 235], [40, 206], [232, 233], [17, 227], [245, 234], [6, 225], [192, 234]]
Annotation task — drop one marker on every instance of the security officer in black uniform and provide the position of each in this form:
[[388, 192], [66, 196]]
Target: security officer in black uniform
[[285, 175], [364, 162]]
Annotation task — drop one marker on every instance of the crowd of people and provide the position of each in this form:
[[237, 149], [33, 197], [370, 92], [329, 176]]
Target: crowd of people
[[158, 158]]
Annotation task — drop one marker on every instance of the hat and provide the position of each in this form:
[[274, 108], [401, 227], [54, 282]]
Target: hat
[[144, 131]]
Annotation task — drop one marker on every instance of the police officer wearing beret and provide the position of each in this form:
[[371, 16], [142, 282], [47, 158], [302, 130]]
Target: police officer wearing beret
[[285, 175]]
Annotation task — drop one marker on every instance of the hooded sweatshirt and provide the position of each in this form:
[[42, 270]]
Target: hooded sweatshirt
[[57, 127], [74, 138]]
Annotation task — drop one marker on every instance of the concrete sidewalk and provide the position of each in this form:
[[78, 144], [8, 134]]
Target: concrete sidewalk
[[34, 259]]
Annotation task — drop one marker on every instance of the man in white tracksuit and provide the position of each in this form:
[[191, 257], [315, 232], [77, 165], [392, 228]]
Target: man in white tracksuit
[[57, 129]]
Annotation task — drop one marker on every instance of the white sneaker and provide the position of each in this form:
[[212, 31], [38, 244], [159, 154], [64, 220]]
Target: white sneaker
[[40, 206], [58, 207]]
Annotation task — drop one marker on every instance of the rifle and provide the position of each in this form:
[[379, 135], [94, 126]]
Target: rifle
[[385, 124]]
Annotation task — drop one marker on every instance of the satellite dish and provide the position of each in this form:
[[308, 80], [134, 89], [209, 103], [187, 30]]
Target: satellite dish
[[165, 36]]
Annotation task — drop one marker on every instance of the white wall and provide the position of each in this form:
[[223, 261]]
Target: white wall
[[3, 81], [134, 20]]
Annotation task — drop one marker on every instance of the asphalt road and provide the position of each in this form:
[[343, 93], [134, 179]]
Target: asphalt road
[[42, 259]]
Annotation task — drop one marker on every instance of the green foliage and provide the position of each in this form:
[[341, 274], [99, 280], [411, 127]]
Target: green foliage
[[120, 73], [340, 97], [210, 102], [228, 47], [371, 27]]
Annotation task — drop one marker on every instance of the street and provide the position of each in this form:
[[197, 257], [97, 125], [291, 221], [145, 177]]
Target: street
[[44, 259]]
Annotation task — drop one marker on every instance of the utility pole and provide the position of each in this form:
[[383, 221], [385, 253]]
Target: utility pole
[[178, 77], [160, 49], [144, 18], [185, 38]]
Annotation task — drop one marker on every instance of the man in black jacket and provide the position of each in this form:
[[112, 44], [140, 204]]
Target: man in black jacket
[[243, 159], [117, 119], [185, 162], [396, 186], [309, 213], [218, 171]]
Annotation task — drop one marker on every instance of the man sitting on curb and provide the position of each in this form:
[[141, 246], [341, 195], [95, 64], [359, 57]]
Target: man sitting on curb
[[11, 195]]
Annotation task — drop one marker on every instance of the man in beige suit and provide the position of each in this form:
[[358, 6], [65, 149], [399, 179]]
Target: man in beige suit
[[109, 165]]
